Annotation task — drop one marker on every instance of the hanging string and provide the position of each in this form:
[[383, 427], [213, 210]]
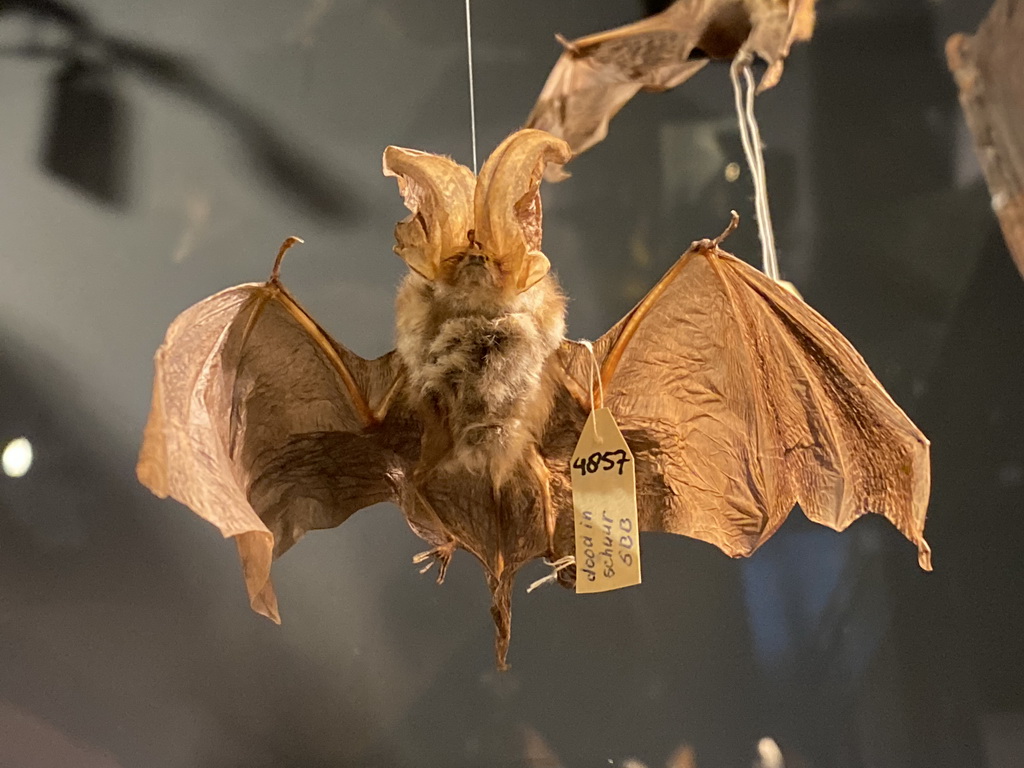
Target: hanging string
[[750, 136], [472, 94], [595, 376], [558, 566], [761, 193]]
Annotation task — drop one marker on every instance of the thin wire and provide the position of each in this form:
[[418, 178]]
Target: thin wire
[[472, 94], [595, 374], [756, 169], [771, 259], [750, 136], [753, 147]]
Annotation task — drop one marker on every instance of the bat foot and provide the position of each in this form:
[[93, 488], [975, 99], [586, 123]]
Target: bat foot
[[441, 555]]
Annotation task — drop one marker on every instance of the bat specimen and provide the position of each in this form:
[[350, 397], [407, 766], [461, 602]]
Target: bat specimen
[[596, 75], [737, 399], [990, 75]]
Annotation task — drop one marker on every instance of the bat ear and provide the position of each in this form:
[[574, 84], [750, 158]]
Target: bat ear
[[535, 266], [439, 192], [507, 203]]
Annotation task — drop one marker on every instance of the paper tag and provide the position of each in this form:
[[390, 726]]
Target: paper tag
[[604, 507]]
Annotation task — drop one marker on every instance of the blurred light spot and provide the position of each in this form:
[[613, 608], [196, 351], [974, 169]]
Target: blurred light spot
[[770, 754], [684, 757], [1011, 475], [634, 288], [17, 457], [638, 250], [732, 171], [197, 214], [304, 31]]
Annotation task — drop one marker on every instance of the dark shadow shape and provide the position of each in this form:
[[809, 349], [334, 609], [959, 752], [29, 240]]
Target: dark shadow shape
[[88, 133], [295, 173], [301, 178]]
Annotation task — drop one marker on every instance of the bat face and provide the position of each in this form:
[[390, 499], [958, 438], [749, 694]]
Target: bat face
[[474, 272], [475, 282]]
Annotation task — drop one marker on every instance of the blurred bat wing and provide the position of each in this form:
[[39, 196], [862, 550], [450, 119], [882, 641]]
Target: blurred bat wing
[[596, 75], [775, 26]]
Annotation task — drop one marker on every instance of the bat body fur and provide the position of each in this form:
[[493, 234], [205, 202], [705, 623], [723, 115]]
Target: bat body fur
[[477, 360]]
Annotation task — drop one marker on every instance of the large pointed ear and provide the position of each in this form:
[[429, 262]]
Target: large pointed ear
[[507, 202], [439, 192]]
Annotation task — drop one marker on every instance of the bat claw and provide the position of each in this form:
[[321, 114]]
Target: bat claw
[[441, 555], [287, 244], [707, 245], [568, 45], [734, 221]]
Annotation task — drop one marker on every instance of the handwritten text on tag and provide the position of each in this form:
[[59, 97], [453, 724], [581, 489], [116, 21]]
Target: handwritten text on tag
[[604, 507]]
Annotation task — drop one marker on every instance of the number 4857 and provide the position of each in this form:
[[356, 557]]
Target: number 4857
[[601, 462]]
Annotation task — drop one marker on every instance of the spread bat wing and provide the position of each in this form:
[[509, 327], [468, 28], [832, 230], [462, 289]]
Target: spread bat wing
[[266, 427], [739, 401], [596, 75]]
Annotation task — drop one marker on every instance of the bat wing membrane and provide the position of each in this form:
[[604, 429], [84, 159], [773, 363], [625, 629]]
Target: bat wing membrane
[[264, 426], [740, 401], [597, 75]]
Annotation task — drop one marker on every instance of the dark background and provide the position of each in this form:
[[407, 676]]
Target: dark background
[[153, 152]]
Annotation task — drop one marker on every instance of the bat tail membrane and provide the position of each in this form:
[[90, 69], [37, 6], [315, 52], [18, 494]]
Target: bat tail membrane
[[501, 612]]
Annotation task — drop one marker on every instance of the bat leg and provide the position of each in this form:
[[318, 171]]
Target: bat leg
[[441, 554], [543, 476], [381, 411]]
